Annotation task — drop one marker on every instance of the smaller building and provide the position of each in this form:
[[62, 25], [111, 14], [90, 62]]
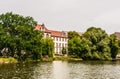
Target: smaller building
[[117, 34], [60, 38]]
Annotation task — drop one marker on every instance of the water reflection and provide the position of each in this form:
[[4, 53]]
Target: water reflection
[[62, 70]]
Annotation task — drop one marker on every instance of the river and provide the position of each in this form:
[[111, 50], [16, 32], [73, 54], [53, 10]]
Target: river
[[62, 70]]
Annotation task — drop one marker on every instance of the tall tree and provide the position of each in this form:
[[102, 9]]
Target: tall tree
[[99, 43], [114, 45], [18, 35], [47, 47], [72, 34]]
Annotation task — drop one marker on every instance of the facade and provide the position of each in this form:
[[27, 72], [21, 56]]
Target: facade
[[60, 38]]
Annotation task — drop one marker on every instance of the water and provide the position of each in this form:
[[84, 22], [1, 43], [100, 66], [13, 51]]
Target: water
[[62, 70]]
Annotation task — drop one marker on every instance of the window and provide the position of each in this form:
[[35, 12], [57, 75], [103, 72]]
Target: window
[[66, 45], [59, 39], [56, 39], [62, 39], [47, 35], [59, 44], [62, 44], [56, 44]]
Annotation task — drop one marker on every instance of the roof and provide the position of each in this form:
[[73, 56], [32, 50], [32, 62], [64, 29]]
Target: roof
[[53, 33], [39, 26]]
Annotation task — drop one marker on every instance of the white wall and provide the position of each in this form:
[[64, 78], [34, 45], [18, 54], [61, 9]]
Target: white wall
[[58, 44]]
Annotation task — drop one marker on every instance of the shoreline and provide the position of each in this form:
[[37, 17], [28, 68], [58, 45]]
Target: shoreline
[[56, 58]]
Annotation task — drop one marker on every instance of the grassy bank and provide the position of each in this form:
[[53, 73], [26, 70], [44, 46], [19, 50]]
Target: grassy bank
[[56, 58], [28, 60], [8, 60], [65, 58]]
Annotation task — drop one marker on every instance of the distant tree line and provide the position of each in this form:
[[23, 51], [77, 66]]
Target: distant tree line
[[18, 38], [94, 44]]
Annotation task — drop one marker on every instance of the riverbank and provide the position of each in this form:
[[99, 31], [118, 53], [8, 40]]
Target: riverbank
[[8, 60], [65, 58], [56, 58]]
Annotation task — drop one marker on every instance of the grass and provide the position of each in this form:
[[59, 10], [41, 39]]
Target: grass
[[65, 58], [28, 60], [8, 60]]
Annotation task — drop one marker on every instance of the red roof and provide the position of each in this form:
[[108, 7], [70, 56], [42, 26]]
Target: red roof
[[55, 33], [39, 26], [52, 32]]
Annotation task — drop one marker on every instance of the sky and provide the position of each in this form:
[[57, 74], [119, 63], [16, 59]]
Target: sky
[[68, 15]]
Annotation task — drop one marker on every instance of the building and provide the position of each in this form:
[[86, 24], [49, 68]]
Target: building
[[117, 34], [60, 38]]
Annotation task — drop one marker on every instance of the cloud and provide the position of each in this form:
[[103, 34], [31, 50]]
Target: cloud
[[108, 20]]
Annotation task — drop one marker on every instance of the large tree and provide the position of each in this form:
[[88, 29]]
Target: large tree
[[93, 44], [19, 37], [99, 43], [9, 19]]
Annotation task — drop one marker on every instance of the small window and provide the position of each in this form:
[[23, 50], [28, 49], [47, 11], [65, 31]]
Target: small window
[[57, 39], [62, 39]]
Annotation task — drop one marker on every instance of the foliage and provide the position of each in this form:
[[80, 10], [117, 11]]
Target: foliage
[[64, 51], [19, 37], [93, 45], [114, 45], [47, 47], [74, 46], [72, 34], [99, 43], [10, 20]]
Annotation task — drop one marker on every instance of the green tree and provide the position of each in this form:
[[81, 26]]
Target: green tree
[[99, 43], [18, 35], [64, 50], [74, 43], [72, 34], [92, 45], [47, 47], [9, 19], [74, 47], [114, 45]]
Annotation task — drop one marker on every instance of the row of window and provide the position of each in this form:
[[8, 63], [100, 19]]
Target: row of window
[[59, 39], [60, 45]]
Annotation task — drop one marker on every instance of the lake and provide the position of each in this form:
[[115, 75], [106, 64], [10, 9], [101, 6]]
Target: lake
[[62, 70]]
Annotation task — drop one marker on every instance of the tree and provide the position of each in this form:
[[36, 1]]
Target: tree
[[74, 43], [72, 34], [29, 40], [47, 47], [18, 35], [64, 50], [114, 45], [74, 47], [9, 19], [99, 43], [92, 45]]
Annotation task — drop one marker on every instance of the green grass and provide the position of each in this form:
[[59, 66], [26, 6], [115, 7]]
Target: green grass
[[65, 58], [8, 60]]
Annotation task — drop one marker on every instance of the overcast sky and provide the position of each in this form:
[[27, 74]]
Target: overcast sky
[[68, 15]]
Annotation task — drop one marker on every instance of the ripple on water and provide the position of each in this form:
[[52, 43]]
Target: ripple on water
[[62, 70]]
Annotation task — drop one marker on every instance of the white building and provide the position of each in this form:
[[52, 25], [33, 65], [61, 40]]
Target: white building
[[60, 38]]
